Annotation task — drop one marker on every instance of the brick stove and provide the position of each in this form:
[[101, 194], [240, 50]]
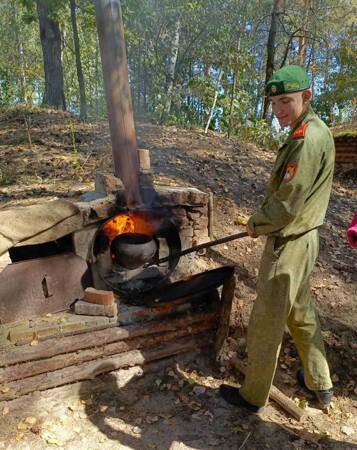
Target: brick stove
[[43, 344]]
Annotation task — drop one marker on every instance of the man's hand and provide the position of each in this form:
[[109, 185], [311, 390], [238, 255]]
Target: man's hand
[[251, 233]]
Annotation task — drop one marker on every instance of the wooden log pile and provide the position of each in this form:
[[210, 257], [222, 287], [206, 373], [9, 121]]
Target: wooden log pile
[[346, 148], [60, 359]]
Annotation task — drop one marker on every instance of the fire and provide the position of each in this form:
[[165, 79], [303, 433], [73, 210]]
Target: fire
[[131, 222]]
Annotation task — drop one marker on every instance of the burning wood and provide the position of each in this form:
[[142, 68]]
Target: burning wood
[[131, 222]]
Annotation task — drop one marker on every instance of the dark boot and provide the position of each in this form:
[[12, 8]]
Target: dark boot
[[324, 397], [231, 395]]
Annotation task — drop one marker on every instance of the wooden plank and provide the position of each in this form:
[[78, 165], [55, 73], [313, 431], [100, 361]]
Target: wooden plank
[[91, 369], [225, 313], [31, 368], [49, 348]]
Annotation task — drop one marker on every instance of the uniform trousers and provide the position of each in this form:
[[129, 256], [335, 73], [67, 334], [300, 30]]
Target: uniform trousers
[[284, 299]]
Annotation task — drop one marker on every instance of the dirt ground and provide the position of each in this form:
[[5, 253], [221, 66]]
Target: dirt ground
[[48, 154]]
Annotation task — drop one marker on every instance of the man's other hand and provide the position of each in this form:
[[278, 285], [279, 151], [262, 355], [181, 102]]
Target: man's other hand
[[251, 233]]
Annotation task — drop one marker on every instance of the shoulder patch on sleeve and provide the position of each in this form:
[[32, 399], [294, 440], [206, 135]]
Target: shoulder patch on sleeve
[[290, 172], [300, 132]]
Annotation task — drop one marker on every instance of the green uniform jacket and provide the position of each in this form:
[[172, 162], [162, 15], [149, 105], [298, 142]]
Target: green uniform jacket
[[299, 188]]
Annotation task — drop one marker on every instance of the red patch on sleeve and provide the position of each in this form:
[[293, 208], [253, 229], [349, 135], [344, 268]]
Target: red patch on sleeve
[[300, 132], [291, 170]]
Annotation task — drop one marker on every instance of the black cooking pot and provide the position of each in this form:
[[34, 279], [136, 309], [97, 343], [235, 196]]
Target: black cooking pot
[[133, 250]]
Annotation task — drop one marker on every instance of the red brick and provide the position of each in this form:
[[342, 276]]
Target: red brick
[[99, 297]]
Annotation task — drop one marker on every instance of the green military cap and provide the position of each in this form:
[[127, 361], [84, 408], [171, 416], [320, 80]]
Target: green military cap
[[287, 79]]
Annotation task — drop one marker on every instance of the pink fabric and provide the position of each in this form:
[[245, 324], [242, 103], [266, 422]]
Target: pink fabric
[[352, 232]]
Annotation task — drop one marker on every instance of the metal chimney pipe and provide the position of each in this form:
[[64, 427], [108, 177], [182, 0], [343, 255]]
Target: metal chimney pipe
[[118, 95]]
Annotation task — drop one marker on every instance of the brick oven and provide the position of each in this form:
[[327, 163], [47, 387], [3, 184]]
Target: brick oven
[[123, 239], [44, 344]]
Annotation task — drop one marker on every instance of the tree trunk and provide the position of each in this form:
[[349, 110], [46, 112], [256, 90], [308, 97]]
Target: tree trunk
[[82, 91], [96, 76], [234, 83], [145, 80], [301, 59], [51, 49], [139, 81], [214, 102], [20, 53], [277, 8], [233, 91], [171, 70]]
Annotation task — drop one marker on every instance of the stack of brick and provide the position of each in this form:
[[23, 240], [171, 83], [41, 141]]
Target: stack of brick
[[97, 302]]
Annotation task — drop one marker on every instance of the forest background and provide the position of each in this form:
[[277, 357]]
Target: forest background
[[191, 63]]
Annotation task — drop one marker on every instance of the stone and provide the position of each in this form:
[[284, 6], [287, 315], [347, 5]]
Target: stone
[[198, 197], [90, 196], [186, 242], [179, 211], [82, 239], [199, 390], [91, 309], [194, 216], [107, 183], [201, 224], [96, 210], [186, 232]]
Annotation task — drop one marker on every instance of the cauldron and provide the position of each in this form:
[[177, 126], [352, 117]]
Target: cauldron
[[133, 250]]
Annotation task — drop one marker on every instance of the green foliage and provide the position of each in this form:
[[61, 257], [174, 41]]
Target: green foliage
[[7, 175], [258, 131], [215, 36], [75, 161]]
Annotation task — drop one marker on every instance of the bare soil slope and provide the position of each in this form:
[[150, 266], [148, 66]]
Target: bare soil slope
[[47, 154]]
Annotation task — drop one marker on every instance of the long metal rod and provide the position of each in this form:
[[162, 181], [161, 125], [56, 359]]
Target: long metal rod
[[203, 246]]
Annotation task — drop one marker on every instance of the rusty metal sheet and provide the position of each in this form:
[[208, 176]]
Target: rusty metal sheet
[[40, 286]]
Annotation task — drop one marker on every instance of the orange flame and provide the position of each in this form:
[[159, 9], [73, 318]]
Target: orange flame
[[131, 222]]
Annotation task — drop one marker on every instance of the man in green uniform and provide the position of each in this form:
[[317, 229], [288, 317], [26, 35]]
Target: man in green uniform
[[293, 209]]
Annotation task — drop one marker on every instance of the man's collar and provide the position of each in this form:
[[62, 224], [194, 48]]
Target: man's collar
[[305, 117]]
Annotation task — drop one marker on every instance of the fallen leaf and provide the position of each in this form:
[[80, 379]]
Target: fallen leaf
[[303, 404], [54, 441], [19, 436], [22, 426], [31, 420]]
